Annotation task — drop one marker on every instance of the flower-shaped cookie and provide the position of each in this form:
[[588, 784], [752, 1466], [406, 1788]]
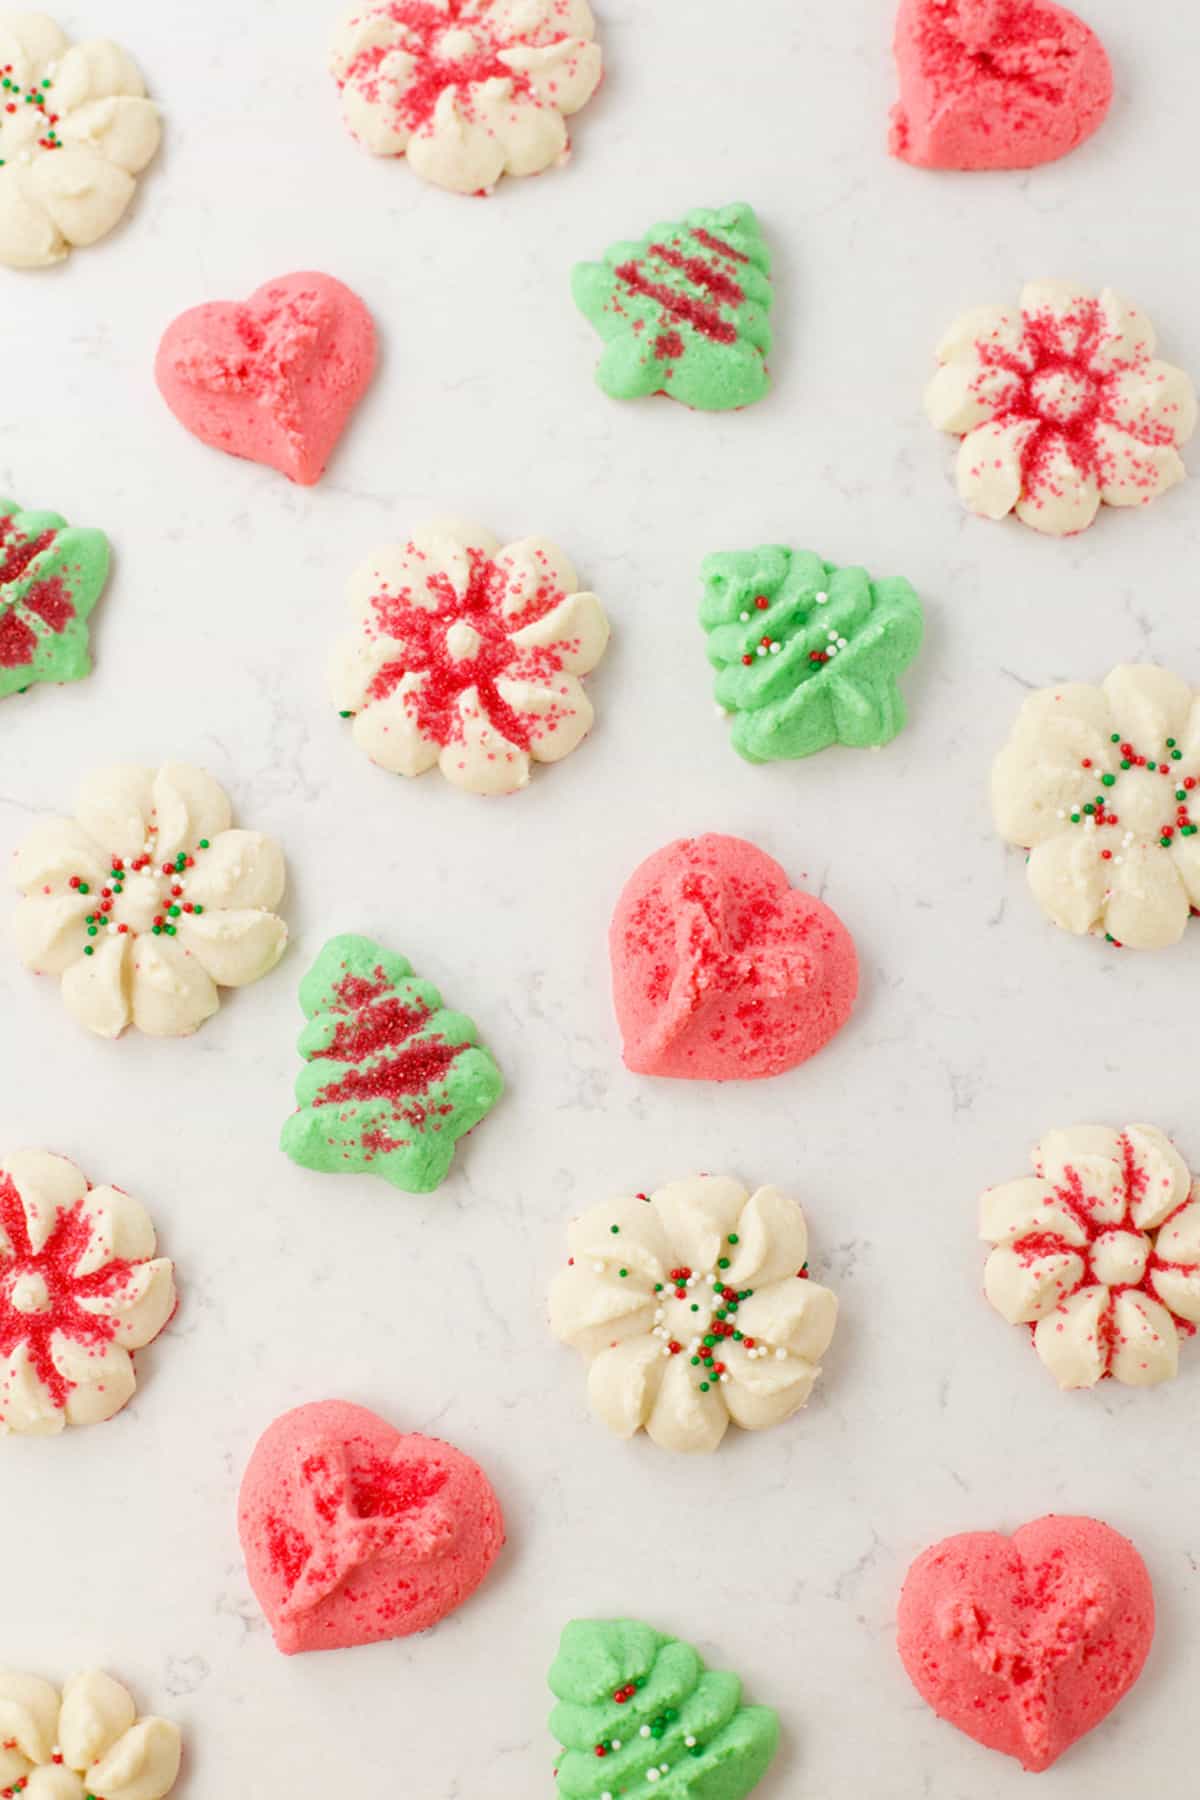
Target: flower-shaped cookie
[[807, 654], [75, 128], [1098, 785], [1061, 404], [468, 655], [87, 1744], [80, 1287], [469, 90], [51, 576], [1099, 1252], [694, 1307], [147, 901]]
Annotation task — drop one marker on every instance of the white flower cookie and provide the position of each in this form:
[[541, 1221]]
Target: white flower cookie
[[468, 90], [1098, 784], [148, 901], [693, 1307], [75, 128], [468, 655], [1099, 1252], [86, 1743]]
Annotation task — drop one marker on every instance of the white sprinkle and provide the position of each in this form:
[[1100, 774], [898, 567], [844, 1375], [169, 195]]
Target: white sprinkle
[[665, 1351], [651, 1774], [781, 1356], [822, 599], [744, 617], [665, 1767], [616, 1743], [1061, 813], [689, 1743], [659, 1316], [645, 1731], [1117, 861], [775, 649], [832, 651], [598, 1267], [841, 643], [761, 651], [724, 1379], [832, 635]]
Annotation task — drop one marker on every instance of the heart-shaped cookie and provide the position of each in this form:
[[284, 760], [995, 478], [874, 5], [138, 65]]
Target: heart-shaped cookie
[[721, 970], [1025, 1643], [273, 378], [995, 84], [353, 1532]]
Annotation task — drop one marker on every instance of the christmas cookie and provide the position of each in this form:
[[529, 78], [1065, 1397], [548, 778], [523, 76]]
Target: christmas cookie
[[694, 1306], [1026, 1643], [1099, 1254], [468, 90], [721, 970], [273, 378], [80, 1287], [146, 902], [995, 84], [638, 1713], [353, 1532], [391, 1080], [1061, 404], [807, 654], [51, 576], [1098, 785], [75, 128], [86, 1743], [468, 656], [684, 312]]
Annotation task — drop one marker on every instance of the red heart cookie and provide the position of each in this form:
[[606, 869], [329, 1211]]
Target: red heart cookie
[[1025, 1643], [995, 84], [353, 1532], [721, 970], [275, 378]]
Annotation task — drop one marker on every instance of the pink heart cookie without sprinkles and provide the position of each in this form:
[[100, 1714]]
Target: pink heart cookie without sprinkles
[[274, 378], [721, 970], [995, 84], [1026, 1643], [353, 1532]]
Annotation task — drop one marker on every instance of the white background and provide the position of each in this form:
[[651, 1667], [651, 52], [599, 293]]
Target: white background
[[978, 1025]]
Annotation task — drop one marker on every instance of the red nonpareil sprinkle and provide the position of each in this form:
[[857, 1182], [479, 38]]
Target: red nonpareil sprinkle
[[719, 246], [688, 309], [18, 643], [381, 1025], [394, 1077]]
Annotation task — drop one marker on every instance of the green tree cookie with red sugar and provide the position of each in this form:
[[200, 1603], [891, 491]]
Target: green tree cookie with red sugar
[[806, 654], [391, 1079], [638, 1713], [684, 312], [51, 576]]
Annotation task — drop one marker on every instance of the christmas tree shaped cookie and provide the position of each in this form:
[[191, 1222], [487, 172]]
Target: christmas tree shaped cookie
[[391, 1079], [684, 312], [51, 576], [638, 1713], [807, 654]]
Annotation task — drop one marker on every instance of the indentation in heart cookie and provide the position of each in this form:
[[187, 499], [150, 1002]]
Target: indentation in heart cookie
[[995, 84], [353, 1532], [721, 970], [275, 378], [1026, 1643]]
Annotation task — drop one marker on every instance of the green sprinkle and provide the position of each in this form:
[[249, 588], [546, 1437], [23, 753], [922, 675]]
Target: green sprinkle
[[170, 930], [1125, 763], [89, 949], [157, 930], [737, 1337], [1177, 756], [710, 1340], [92, 930], [1152, 765], [84, 888], [695, 1362], [1170, 743], [1165, 842], [723, 1262], [1115, 738], [1108, 780], [658, 1287], [204, 843], [1089, 808], [732, 1238], [621, 1272], [614, 1229], [345, 715], [1180, 794], [704, 1387], [172, 912], [198, 909]]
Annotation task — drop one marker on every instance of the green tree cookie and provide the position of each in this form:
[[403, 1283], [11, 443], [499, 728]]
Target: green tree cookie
[[807, 654], [684, 312], [615, 1680], [51, 576], [390, 1080]]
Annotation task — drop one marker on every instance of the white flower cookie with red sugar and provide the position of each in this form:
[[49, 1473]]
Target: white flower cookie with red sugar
[[468, 90], [1098, 1253], [75, 129], [80, 1287], [86, 1743], [1061, 404], [1098, 784], [693, 1306], [467, 655], [148, 901]]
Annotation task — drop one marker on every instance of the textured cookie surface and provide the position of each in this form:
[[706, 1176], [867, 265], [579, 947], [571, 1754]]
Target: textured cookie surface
[[51, 576], [684, 311], [354, 1532], [721, 970], [995, 84], [83, 1743], [391, 1078], [806, 654], [638, 1713], [1026, 1643], [273, 378]]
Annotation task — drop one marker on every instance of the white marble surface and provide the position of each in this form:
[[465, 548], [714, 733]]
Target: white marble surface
[[978, 1025]]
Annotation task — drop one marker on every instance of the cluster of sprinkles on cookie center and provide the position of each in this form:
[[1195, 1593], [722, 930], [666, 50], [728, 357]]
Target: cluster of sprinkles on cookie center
[[12, 98], [158, 902]]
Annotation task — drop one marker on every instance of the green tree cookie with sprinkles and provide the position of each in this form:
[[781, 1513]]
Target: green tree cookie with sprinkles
[[806, 654], [684, 312], [391, 1079], [638, 1713], [51, 576]]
